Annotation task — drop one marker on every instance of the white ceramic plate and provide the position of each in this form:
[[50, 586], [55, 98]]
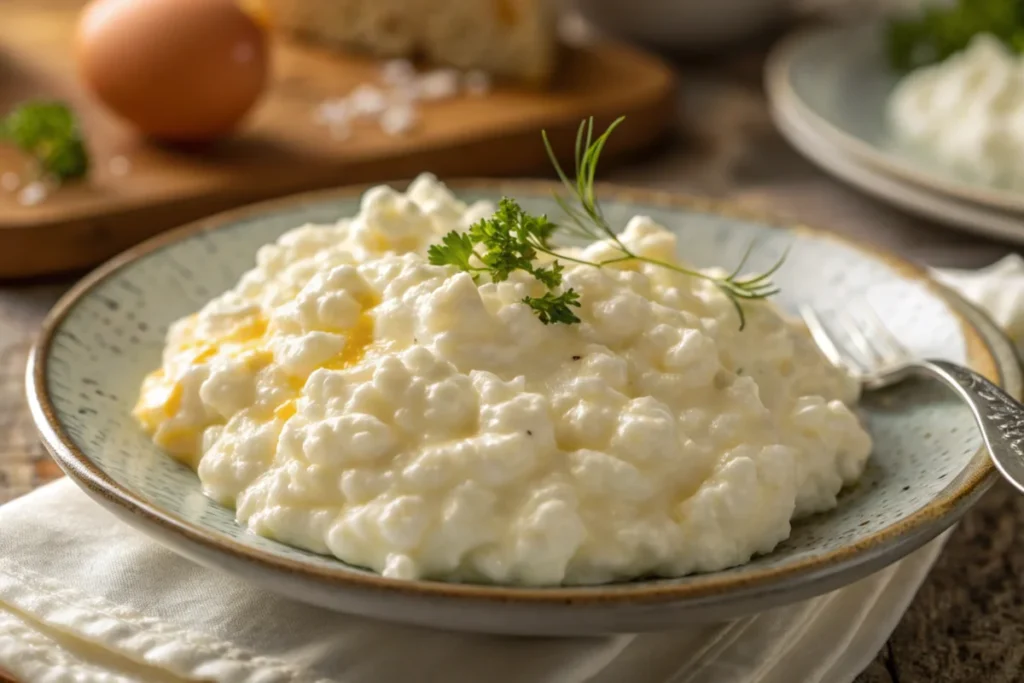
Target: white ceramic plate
[[911, 198], [927, 469], [837, 81]]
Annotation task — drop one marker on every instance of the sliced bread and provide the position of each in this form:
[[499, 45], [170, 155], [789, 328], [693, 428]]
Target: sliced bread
[[506, 38]]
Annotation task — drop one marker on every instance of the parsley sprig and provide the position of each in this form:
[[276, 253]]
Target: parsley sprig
[[512, 239], [50, 133]]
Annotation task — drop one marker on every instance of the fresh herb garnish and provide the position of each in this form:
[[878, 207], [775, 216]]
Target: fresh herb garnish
[[588, 222], [49, 132], [512, 239], [942, 30]]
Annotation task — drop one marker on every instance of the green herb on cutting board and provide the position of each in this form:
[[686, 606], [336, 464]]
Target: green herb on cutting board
[[942, 30], [49, 132]]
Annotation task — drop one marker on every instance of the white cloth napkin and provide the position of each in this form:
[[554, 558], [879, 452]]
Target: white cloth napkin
[[85, 598]]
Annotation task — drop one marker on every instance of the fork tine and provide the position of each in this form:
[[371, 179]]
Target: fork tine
[[823, 339], [889, 345], [868, 356]]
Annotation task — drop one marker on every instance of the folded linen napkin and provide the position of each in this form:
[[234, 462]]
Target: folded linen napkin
[[85, 598]]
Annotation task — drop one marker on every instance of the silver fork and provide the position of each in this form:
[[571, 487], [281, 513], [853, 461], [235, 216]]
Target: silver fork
[[858, 341]]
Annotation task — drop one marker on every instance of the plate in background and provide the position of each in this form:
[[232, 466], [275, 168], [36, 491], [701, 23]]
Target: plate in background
[[836, 81], [911, 198]]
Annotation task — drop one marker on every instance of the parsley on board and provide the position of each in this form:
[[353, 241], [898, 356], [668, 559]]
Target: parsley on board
[[49, 132]]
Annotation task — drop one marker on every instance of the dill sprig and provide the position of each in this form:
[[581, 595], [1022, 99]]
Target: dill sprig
[[588, 222], [511, 240]]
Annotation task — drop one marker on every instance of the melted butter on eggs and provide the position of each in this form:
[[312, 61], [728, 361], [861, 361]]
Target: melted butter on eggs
[[359, 340], [248, 341]]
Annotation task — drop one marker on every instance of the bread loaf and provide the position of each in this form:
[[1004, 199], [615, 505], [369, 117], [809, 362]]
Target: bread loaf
[[509, 38]]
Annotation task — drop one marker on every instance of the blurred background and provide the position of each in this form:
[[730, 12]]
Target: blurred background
[[124, 118], [181, 108]]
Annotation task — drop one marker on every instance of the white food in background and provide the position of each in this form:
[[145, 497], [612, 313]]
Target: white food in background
[[967, 112], [348, 397]]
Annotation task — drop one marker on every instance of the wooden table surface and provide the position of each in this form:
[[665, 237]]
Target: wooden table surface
[[967, 622]]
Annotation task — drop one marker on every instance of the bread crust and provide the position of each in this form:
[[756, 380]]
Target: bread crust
[[507, 38]]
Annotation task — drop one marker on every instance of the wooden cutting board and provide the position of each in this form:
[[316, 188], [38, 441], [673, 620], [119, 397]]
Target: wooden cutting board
[[281, 150]]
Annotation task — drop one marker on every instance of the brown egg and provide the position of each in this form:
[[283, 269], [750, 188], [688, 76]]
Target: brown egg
[[178, 70]]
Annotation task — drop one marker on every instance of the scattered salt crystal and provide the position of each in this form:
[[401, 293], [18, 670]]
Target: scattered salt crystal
[[398, 119], [32, 194], [394, 106], [367, 100], [397, 72], [476, 83], [119, 166], [334, 112], [10, 181], [439, 84], [407, 93]]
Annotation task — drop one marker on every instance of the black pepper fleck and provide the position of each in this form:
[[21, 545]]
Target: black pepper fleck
[[577, 357], [529, 433]]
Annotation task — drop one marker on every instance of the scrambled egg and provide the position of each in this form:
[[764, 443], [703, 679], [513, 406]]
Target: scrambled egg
[[350, 398]]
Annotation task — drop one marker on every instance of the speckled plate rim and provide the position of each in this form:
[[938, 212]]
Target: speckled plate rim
[[779, 88], [869, 554]]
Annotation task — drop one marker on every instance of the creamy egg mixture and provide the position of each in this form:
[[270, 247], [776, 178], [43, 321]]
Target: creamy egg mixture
[[967, 112], [350, 398]]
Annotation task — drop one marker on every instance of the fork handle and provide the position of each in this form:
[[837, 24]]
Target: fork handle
[[999, 415]]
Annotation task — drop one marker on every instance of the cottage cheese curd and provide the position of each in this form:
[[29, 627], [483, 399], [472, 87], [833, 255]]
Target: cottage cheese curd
[[350, 398], [967, 112]]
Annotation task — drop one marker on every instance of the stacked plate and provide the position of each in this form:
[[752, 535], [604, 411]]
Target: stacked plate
[[828, 87]]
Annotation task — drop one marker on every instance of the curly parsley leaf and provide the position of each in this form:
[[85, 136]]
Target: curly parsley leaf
[[506, 242], [553, 308], [456, 249], [550, 276], [510, 239]]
